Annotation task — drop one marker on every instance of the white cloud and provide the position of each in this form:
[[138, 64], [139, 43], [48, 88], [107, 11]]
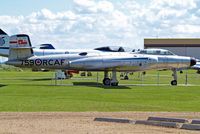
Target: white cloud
[[92, 23], [85, 6], [172, 13], [85, 3], [7, 20], [48, 14], [105, 6], [91, 6], [187, 29], [178, 4]]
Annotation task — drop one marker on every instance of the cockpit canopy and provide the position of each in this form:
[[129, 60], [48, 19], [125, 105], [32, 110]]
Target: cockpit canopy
[[111, 49], [46, 46], [154, 52]]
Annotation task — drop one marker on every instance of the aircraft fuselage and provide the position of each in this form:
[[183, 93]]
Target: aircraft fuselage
[[101, 62]]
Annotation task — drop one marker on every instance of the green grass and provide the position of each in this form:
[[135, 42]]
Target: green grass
[[34, 91]]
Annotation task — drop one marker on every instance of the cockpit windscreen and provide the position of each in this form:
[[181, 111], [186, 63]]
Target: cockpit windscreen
[[111, 49], [154, 52]]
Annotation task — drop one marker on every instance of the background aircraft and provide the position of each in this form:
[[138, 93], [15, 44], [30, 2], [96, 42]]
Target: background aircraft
[[4, 42], [21, 55]]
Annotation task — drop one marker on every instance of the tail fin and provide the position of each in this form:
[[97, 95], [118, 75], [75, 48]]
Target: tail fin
[[4, 39], [2, 32], [20, 47]]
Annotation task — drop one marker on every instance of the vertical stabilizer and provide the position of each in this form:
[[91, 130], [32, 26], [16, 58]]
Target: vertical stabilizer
[[2, 32], [20, 47], [4, 39]]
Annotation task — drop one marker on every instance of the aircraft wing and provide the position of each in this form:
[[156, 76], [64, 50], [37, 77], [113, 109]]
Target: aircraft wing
[[112, 62]]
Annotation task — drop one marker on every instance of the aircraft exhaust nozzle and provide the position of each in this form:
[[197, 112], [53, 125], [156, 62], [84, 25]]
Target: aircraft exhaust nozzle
[[193, 61]]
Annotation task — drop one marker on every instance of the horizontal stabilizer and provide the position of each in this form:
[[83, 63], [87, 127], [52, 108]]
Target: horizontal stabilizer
[[22, 47]]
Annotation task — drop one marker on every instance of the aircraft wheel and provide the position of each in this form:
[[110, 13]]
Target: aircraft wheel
[[106, 81], [174, 82], [126, 78], [198, 71], [114, 84]]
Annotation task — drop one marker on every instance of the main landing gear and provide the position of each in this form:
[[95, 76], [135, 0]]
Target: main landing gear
[[110, 82], [174, 82], [114, 82]]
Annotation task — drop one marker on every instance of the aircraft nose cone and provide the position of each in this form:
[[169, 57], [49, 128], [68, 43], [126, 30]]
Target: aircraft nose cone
[[193, 61]]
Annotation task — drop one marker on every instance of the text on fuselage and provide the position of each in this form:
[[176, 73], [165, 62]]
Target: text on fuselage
[[43, 62]]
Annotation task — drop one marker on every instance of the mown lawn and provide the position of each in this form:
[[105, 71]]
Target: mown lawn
[[35, 91]]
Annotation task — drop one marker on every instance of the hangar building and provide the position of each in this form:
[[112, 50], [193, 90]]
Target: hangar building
[[179, 46]]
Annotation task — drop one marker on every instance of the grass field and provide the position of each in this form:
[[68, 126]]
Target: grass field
[[35, 91]]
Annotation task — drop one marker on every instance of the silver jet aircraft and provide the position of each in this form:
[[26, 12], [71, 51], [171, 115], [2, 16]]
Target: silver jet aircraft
[[21, 55]]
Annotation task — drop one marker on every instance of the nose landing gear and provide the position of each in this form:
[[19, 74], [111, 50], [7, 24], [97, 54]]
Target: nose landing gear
[[174, 82]]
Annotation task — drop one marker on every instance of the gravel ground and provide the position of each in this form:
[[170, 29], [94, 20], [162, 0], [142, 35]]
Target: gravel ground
[[83, 123]]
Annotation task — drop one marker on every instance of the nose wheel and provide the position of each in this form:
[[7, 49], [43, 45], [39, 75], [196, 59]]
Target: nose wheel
[[126, 77], [174, 82]]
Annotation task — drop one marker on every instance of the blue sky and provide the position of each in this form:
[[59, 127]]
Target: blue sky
[[93, 23], [25, 7]]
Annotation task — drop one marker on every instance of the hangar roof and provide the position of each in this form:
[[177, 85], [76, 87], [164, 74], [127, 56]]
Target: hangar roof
[[172, 42]]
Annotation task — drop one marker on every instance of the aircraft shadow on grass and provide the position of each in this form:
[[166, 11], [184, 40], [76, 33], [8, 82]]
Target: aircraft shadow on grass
[[41, 79], [34, 79], [88, 84], [1, 85], [99, 85]]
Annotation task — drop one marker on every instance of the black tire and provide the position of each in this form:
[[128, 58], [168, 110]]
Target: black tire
[[174, 82], [198, 71], [126, 78], [114, 84], [144, 73], [106, 81]]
